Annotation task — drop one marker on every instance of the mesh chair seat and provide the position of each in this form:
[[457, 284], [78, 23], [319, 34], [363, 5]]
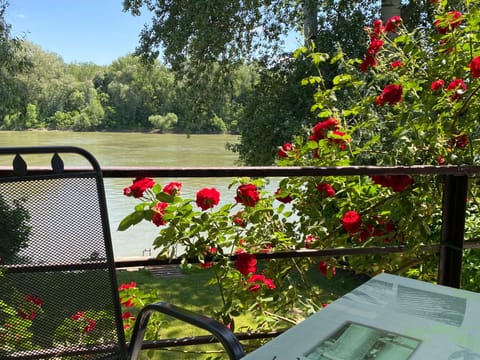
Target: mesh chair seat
[[58, 288]]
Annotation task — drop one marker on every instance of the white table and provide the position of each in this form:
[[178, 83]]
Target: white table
[[387, 318]]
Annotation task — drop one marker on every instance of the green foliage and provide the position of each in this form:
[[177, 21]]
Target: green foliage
[[163, 122], [133, 300], [83, 328], [387, 109], [12, 63], [276, 108], [184, 29], [15, 229]]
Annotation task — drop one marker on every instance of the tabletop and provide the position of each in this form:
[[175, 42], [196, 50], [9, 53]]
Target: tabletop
[[387, 318]]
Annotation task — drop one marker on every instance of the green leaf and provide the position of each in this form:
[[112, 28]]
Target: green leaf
[[299, 51], [142, 206], [318, 58], [342, 79], [157, 188], [325, 113], [164, 197], [130, 220], [337, 58]]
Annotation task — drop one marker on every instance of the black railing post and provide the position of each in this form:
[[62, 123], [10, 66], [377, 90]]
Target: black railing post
[[453, 230]]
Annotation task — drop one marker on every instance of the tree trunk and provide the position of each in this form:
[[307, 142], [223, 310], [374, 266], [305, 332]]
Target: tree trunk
[[310, 21], [390, 8]]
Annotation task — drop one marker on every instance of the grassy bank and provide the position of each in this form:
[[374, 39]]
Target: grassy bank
[[191, 291]]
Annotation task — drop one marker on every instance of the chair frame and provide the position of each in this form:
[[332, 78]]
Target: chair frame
[[20, 172]]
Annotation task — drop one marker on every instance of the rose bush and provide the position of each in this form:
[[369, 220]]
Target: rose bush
[[412, 100]]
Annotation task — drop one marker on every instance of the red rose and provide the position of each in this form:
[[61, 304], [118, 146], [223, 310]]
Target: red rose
[[458, 87], [326, 189], [284, 199], [391, 94], [367, 63], [247, 194], [309, 240], [239, 220], [90, 325], [207, 198], [321, 128], [392, 24], [380, 180], [475, 67], [375, 46], [28, 316], [437, 84], [367, 231], [158, 212], [206, 265], [398, 183], [34, 299], [451, 21], [396, 63], [323, 268], [378, 27], [460, 141], [339, 137], [130, 302], [351, 221], [257, 280], [77, 316], [172, 188], [283, 150], [131, 285], [138, 187], [385, 229], [246, 263], [127, 315]]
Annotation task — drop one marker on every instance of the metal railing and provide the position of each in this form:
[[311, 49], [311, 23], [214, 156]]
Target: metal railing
[[450, 247]]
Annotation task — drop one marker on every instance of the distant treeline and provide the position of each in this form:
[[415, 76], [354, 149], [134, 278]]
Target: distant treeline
[[126, 95], [263, 102]]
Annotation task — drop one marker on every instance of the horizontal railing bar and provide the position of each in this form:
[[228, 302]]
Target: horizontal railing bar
[[277, 255], [119, 264], [205, 339], [25, 268], [264, 171]]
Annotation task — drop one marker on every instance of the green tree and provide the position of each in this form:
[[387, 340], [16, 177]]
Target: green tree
[[276, 108], [163, 122], [205, 97], [49, 85], [133, 91], [233, 31], [12, 62], [15, 229]]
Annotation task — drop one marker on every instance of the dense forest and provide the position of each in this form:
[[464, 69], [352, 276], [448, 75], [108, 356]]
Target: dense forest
[[229, 82], [125, 95]]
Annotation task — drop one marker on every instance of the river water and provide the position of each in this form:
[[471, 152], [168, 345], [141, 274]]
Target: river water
[[140, 149]]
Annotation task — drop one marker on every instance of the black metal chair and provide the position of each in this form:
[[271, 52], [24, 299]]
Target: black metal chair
[[58, 289]]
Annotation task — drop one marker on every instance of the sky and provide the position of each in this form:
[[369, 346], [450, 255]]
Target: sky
[[96, 31]]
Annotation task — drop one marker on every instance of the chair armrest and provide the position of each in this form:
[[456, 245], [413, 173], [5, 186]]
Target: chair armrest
[[220, 331]]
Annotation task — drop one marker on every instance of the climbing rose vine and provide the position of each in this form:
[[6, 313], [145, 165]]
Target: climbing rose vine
[[411, 100]]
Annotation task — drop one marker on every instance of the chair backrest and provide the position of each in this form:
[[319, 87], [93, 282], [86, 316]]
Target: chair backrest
[[58, 291]]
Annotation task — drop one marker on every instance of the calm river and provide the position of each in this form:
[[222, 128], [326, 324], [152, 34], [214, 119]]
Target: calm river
[[139, 149]]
